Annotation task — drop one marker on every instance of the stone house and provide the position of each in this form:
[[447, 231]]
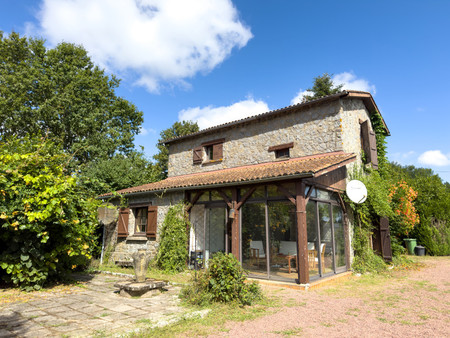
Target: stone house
[[267, 188]]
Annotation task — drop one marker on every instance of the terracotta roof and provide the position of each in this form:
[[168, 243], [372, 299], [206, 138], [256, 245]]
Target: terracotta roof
[[307, 166], [364, 96]]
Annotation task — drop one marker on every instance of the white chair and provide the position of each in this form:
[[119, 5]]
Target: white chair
[[289, 250], [257, 251]]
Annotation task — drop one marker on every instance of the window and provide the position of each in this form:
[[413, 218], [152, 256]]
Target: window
[[282, 150], [141, 220], [145, 221], [282, 153], [210, 151]]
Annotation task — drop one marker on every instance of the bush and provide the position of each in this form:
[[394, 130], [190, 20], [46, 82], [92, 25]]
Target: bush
[[47, 220], [366, 260], [223, 281], [173, 253]]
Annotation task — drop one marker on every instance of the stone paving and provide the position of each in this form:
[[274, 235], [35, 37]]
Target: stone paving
[[94, 309]]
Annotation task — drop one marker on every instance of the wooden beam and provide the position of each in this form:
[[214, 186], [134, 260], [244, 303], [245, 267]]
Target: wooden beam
[[225, 198], [302, 238], [235, 226], [286, 193], [245, 198], [312, 187], [195, 199], [346, 232]]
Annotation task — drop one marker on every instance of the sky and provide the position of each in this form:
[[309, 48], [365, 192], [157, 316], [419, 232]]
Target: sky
[[214, 61]]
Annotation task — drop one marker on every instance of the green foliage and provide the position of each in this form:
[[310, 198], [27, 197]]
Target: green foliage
[[432, 205], [178, 129], [47, 219], [365, 258], [380, 133], [223, 281], [119, 172], [323, 86], [61, 93], [173, 253]]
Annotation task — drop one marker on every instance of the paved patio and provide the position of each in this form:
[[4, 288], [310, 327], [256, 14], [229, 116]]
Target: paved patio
[[93, 309]]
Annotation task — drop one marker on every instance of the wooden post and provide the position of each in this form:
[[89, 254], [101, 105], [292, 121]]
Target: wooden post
[[302, 238], [235, 226]]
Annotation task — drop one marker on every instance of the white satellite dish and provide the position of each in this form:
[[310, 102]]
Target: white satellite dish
[[356, 191]]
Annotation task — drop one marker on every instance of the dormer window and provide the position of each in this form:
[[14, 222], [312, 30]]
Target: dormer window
[[282, 151]]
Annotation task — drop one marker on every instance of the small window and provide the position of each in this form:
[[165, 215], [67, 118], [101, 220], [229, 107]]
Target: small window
[[141, 220], [282, 150], [213, 151], [282, 153]]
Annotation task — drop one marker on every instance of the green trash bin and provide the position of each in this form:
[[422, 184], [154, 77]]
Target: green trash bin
[[411, 243]]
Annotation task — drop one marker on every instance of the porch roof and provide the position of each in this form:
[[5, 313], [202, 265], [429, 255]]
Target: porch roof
[[307, 166]]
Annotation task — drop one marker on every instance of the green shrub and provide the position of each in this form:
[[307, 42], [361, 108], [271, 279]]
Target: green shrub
[[366, 260], [47, 219], [173, 253], [223, 281], [434, 236]]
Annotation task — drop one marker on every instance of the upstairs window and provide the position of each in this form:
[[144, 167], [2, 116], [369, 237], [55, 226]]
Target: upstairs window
[[282, 151], [210, 151]]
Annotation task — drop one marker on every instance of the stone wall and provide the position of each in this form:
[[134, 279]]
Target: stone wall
[[313, 131], [122, 248], [353, 110]]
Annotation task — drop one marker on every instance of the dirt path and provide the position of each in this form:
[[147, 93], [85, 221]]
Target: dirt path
[[405, 304]]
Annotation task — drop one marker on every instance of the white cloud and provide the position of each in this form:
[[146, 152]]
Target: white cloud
[[163, 41], [435, 158], [299, 97], [348, 80], [145, 131], [211, 116], [402, 158]]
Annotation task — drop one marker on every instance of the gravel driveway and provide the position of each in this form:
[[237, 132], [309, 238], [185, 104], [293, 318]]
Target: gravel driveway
[[411, 303]]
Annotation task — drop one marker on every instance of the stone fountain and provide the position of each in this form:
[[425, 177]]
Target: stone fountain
[[140, 286]]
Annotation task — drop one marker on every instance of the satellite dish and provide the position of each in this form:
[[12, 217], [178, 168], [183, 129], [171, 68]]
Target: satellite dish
[[356, 191]]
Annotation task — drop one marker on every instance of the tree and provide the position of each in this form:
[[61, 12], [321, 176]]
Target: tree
[[323, 86], [178, 129], [60, 92], [119, 172], [47, 219]]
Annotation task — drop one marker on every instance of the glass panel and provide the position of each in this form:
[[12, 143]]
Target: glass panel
[[204, 197], [311, 223], [282, 240], [326, 238], [272, 190], [141, 220], [323, 195], [339, 236], [215, 196], [254, 239], [314, 192], [217, 229], [260, 192]]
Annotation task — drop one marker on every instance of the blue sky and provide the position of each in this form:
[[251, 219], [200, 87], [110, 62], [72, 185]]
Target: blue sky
[[216, 60]]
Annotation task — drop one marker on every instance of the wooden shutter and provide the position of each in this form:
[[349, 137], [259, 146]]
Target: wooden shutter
[[122, 225], [198, 158], [218, 151], [152, 218], [373, 149], [385, 239], [369, 144]]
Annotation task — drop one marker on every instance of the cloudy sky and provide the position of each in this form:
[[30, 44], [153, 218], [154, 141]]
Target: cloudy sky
[[214, 61]]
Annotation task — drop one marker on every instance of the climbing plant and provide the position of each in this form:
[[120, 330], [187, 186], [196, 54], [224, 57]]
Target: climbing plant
[[173, 253]]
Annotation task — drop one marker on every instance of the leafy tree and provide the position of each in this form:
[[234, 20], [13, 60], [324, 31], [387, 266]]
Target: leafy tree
[[119, 172], [60, 92], [177, 129], [432, 205], [323, 86], [47, 219]]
